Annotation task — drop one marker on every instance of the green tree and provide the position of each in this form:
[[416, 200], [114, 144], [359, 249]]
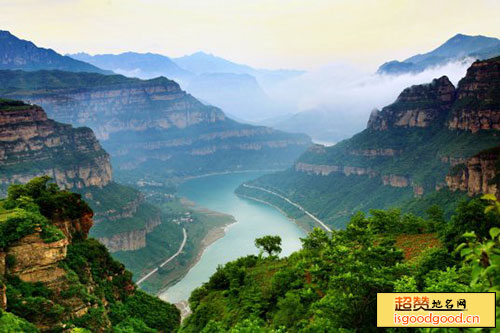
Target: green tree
[[269, 244]]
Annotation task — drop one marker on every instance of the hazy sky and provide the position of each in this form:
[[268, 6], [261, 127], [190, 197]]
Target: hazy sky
[[264, 33]]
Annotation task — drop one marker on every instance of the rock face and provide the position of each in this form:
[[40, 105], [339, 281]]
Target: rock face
[[37, 261], [147, 123], [417, 106], [325, 170], [53, 279], [477, 107], [478, 175], [406, 151], [135, 238], [32, 145]]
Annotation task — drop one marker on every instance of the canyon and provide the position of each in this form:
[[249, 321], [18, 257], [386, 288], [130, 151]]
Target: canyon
[[152, 128], [33, 145], [435, 141]]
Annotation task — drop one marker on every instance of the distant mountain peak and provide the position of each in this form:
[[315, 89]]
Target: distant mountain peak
[[457, 48], [21, 54]]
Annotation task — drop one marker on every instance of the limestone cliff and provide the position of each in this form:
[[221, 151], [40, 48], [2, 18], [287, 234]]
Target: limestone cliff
[[478, 106], [53, 276], [406, 151], [33, 145], [478, 175], [417, 106], [144, 219], [152, 127]]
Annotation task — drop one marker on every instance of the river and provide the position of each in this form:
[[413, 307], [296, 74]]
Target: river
[[253, 220]]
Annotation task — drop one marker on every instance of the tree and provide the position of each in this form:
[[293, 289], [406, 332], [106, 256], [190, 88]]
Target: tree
[[269, 244]]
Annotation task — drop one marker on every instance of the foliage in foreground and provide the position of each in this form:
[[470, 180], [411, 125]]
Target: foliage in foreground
[[92, 277], [332, 282]]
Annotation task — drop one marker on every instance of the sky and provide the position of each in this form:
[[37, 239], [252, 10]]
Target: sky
[[300, 34]]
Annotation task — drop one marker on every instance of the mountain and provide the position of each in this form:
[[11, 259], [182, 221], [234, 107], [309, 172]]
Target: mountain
[[152, 128], [236, 89], [321, 123], [204, 63], [456, 48], [413, 153], [237, 94], [132, 64], [54, 278], [17, 53], [32, 145]]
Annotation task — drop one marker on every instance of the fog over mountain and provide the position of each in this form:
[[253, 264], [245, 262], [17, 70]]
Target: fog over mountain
[[335, 101]]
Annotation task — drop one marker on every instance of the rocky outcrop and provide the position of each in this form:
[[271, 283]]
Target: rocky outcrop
[[478, 175], [375, 152], [37, 261], [396, 181], [478, 99], [125, 241], [453, 160], [79, 226], [142, 121], [131, 240], [33, 145], [387, 180], [115, 108], [325, 170], [417, 106]]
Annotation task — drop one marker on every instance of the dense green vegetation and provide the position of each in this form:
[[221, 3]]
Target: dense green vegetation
[[419, 159], [90, 280], [11, 323], [228, 156], [331, 284], [406, 152], [51, 80], [9, 104], [165, 241]]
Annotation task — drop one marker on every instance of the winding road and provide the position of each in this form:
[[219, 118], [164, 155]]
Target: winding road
[[314, 218], [145, 277]]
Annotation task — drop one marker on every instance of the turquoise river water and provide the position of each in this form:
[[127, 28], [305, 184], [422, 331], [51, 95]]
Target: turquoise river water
[[253, 219]]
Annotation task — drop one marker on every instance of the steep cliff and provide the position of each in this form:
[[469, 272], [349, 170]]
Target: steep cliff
[[405, 153], [152, 127], [478, 175], [54, 277], [33, 145], [478, 102], [417, 106]]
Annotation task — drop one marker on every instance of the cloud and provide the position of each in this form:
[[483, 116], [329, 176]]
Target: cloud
[[343, 91]]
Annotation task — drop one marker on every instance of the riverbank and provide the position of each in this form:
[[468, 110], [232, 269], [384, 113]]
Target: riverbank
[[301, 224], [221, 173], [222, 245], [212, 235]]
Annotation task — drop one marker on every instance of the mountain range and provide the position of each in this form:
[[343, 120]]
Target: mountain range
[[237, 89], [17, 53], [437, 143], [431, 146], [457, 48], [335, 98], [152, 128]]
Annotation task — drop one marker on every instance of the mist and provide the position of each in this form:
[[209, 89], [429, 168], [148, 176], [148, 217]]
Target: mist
[[335, 101]]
